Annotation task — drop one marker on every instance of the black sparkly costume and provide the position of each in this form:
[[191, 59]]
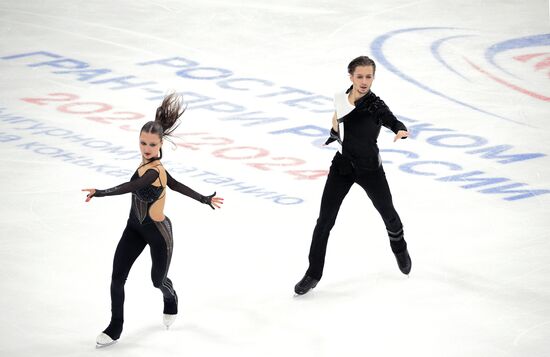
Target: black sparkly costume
[[140, 231]]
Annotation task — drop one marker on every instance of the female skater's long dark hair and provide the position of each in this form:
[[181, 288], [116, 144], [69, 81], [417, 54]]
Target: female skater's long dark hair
[[166, 118]]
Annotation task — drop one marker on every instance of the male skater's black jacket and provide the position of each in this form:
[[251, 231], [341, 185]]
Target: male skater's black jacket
[[361, 128]]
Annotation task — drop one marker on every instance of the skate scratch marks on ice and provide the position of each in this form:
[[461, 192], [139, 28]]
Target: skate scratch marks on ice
[[173, 44], [529, 330], [371, 15]]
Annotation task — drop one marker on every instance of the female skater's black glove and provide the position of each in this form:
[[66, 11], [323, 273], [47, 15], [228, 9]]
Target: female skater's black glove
[[334, 136], [207, 200]]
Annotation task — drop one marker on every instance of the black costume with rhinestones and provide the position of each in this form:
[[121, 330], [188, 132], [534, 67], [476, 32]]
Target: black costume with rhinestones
[[140, 231]]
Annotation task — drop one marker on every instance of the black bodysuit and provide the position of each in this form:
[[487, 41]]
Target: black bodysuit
[[140, 231], [144, 193]]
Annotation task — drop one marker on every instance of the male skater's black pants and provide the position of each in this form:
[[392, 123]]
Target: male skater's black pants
[[158, 235], [342, 175]]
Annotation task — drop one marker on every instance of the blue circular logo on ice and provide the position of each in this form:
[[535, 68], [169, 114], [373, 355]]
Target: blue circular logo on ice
[[533, 50], [445, 60]]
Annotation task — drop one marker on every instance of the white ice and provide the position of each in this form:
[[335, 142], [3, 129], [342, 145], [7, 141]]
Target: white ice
[[479, 285]]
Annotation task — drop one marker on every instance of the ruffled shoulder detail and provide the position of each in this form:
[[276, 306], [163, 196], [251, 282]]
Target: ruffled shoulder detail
[[370, 103]]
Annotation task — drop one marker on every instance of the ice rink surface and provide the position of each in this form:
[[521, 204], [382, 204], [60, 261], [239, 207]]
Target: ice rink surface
[[472, 184]]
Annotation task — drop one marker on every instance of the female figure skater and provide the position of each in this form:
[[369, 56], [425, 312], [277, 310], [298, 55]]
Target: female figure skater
[[361, 113], [147, 223]]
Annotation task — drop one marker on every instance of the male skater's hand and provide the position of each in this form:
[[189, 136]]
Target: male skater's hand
[[401, 134]]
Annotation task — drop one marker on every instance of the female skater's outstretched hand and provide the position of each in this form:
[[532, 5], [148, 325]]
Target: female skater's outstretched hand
[[401, 134], [216, 202], [213, 201], [89, 195]]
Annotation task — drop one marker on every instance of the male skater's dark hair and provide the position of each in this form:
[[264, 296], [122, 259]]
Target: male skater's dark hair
[[361, 61]]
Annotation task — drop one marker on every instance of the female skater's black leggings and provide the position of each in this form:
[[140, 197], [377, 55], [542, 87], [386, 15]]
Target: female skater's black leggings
[[342, 175], [158, 235]]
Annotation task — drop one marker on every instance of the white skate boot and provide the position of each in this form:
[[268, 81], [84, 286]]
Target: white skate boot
[[168, 320], [103, 340]]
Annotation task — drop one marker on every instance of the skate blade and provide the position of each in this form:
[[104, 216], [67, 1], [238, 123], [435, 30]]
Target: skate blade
[[103, 345], [168, 320]]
